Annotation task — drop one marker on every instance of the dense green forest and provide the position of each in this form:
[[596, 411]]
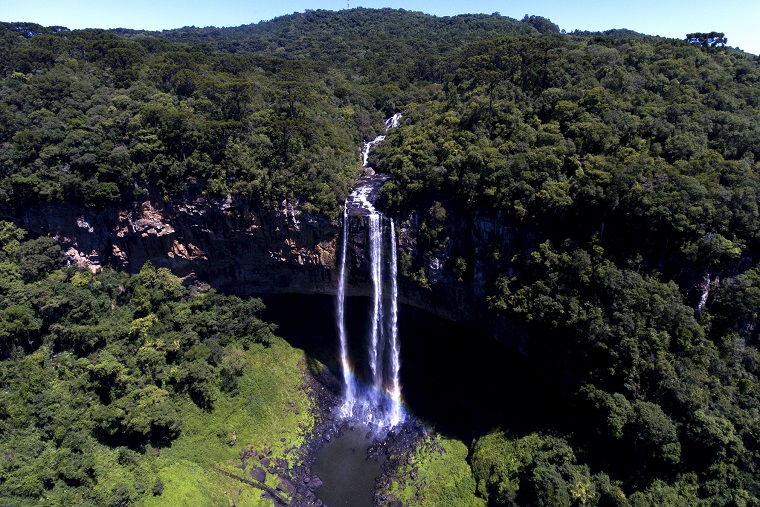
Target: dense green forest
[[621, 170], [122, 389]]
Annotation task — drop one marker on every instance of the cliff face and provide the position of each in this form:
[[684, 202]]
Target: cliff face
[[235, 247], [460, 293], [228, 244]]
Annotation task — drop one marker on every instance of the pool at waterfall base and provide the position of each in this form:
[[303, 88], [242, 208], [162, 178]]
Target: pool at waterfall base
[[347, 472]]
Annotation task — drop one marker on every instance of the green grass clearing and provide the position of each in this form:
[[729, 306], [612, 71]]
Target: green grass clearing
[[272, 404], [438, 476]]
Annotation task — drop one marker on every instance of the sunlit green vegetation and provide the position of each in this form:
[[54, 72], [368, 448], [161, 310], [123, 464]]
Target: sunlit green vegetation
[[437, 476], [605, 177], [119, 389]]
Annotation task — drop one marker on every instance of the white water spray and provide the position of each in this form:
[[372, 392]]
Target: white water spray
[[350, 395], [392, 122], [395, 352], [378, 404], [705, 287], [368, 146], [375, 258]]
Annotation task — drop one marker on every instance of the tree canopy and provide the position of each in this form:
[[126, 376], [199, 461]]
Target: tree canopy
[[707, 40], [599, 191]]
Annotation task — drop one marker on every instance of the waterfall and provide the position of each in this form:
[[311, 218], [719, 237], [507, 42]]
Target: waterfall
[[376, 263], [395, 352], [392, 122], [349, 395], [377, 404], [705, 288], [368, 146]]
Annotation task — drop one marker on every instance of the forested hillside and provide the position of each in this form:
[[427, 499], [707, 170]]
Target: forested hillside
[[624, 174], [91, 117], [615, 177], [122, 389]]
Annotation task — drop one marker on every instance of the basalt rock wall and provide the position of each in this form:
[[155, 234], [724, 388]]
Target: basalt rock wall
[[238, 248], [228, 244]]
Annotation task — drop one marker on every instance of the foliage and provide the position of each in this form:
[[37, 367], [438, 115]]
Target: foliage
[[96, 117], [437, 476], [535, 470], [707, 40], [603, 179], [107, 119], [609, 180], [99, 371]]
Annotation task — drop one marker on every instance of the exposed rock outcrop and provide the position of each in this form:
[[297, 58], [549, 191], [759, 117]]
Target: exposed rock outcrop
[[227, 243], [236, 247]]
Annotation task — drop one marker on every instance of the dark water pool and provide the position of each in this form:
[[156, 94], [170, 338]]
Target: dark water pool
[[347, 475], [459, 380]]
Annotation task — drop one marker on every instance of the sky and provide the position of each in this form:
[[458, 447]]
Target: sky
[[738, 19]]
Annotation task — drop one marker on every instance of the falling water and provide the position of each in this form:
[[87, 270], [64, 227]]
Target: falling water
[[395, 352], [378, 404], [705, 287], [392, 122], [349, 397], [375, 256], [368, 146]]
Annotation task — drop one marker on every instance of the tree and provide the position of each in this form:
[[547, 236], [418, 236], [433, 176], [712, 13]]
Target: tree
[[707, 40], [150, 414], [19, 325], [10, 237], [654, 436], [38, 257], [490, 62], [542, 24], [158, 487], [532, 470]]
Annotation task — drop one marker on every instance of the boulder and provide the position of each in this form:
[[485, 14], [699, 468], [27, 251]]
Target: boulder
[[315, 483], [258, 474], [286, 486]]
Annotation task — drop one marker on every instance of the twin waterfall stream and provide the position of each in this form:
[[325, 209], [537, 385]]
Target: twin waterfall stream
[[377, 405]]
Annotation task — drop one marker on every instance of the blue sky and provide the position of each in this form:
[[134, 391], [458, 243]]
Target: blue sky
[[738, 19]]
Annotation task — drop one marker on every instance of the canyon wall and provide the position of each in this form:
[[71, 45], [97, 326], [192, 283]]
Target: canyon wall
[[235, 247], [227, 244]]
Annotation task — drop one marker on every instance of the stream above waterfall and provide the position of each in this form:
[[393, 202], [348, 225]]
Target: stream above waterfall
[[365, 193]]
